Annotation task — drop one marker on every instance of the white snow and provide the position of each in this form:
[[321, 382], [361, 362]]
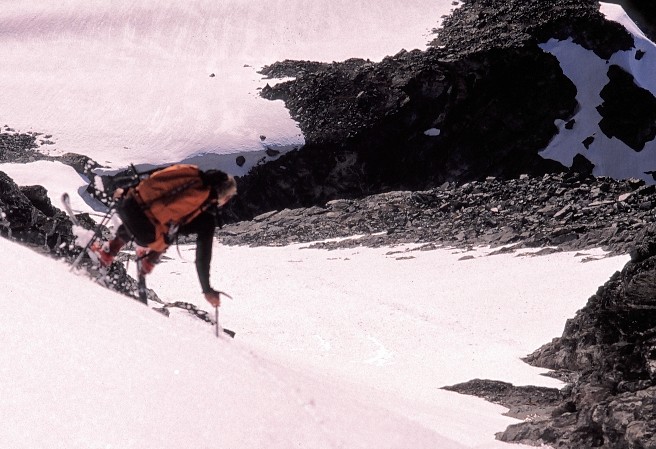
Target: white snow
[[131, 82], [82, 367]]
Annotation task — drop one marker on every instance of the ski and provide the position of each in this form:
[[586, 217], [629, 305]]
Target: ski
[[66, 203], [142, 291]]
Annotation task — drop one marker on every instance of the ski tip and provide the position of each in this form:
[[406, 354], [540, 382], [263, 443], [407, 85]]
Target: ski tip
[[230, 333]]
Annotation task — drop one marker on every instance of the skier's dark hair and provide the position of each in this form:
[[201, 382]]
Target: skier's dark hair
[[220, 181]]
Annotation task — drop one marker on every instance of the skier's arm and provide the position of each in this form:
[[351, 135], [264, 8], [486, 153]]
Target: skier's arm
[[204, 240]]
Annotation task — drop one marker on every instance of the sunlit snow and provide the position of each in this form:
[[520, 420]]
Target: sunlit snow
[[163, 81]]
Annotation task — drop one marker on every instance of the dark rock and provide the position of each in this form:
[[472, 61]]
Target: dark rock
[[17, 147], [82, 164], [628, 111], [588, 141], [25, 222], [38, 196], [485, 85], [582, 165], [527, 212], [610, 343], [526, 403], [364, 126]]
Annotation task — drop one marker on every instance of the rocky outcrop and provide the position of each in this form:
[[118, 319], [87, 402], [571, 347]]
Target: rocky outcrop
[[628, 111], [480, 102], [17, 147], [481, 25], [528, 403], [28, 216], [610, 346], [570, 211], [413, 122]]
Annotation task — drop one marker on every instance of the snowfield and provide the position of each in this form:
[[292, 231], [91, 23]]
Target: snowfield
[[162, 81], [334, 349], [82, 367]]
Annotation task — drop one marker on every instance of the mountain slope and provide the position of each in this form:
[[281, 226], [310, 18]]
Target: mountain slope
[[82, 367]]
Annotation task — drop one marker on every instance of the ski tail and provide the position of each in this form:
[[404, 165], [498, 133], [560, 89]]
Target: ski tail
[[66, 203]]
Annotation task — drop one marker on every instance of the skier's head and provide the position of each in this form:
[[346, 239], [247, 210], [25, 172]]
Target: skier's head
[[223, 184]]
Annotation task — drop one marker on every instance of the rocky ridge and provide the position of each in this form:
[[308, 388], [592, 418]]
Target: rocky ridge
[[481, 101], [570, 211]]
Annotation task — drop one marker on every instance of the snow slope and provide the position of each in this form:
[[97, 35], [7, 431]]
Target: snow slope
[[344, 348], [82, 367], [317, 362], [132, 82]]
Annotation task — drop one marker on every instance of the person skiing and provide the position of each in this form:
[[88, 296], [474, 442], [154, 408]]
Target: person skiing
[[180, 199]]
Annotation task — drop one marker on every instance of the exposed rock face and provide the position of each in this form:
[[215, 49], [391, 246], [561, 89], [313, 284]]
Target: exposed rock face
[[28, 216], [570, 211], [413, 122], [628, 111], [481, 102]]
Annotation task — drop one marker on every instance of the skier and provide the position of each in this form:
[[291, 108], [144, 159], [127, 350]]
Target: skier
[[180, 199]]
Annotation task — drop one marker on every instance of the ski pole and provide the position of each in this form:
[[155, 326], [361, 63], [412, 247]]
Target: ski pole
[[216, 320], [219, 329]]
